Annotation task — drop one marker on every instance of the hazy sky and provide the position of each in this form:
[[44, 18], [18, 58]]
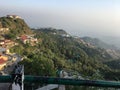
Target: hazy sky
[[78, 17]]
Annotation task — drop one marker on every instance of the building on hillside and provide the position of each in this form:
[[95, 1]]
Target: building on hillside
[[2, 50], [7, 51], [28, 39], [4, 29], [2, 63], [14, 16], [2, 42], [65, 35], [34, 41], [3, 57], [7, 43], [10, 43], [24, 39]]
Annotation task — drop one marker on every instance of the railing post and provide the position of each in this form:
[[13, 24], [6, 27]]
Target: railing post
[[18, 78], [61, 75]]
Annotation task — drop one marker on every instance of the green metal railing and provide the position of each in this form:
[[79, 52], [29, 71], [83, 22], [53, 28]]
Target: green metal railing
[[5, 79], [63, 81]]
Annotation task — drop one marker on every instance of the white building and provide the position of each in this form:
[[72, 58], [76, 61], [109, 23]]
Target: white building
[[14, 16]]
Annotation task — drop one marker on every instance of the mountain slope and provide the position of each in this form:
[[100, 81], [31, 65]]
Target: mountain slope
[[56, 50], [98, 43], [67, 53], [113, 51], [114, 64]]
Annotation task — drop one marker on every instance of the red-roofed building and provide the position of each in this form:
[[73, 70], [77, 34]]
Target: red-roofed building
[[2, 63], [28, 39], [24, 38]]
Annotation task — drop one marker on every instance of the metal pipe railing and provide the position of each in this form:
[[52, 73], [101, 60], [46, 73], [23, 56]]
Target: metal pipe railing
[[63, 81]]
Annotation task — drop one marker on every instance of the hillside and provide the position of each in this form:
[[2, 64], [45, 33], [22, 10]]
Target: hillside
[[66, 53], [113, 51], [15, 25], [98, 43], [56, 49], [114, 64]]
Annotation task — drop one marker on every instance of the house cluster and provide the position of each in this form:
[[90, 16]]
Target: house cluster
[[82, 41], [28, 39], [3, 61], [7, 43], [3, 29], [65, 35], [14, 16], [85, 43]]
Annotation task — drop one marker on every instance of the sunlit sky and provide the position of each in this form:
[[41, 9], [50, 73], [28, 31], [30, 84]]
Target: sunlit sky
[[78, 17]]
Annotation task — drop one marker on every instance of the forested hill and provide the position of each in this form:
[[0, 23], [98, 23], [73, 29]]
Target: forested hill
[[113, 51], [53, 31], [16, 25], [56, 49], [97, 42]]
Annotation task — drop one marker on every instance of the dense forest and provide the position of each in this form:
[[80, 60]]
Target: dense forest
[[54, 52]]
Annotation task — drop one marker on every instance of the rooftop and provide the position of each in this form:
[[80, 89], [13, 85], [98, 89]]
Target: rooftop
[[2, 61]]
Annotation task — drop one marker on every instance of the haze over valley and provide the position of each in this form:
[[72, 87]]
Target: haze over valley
[[97, 19]]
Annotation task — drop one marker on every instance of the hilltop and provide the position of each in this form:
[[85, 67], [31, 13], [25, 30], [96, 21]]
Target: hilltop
[[53, 31], [14, 24]]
